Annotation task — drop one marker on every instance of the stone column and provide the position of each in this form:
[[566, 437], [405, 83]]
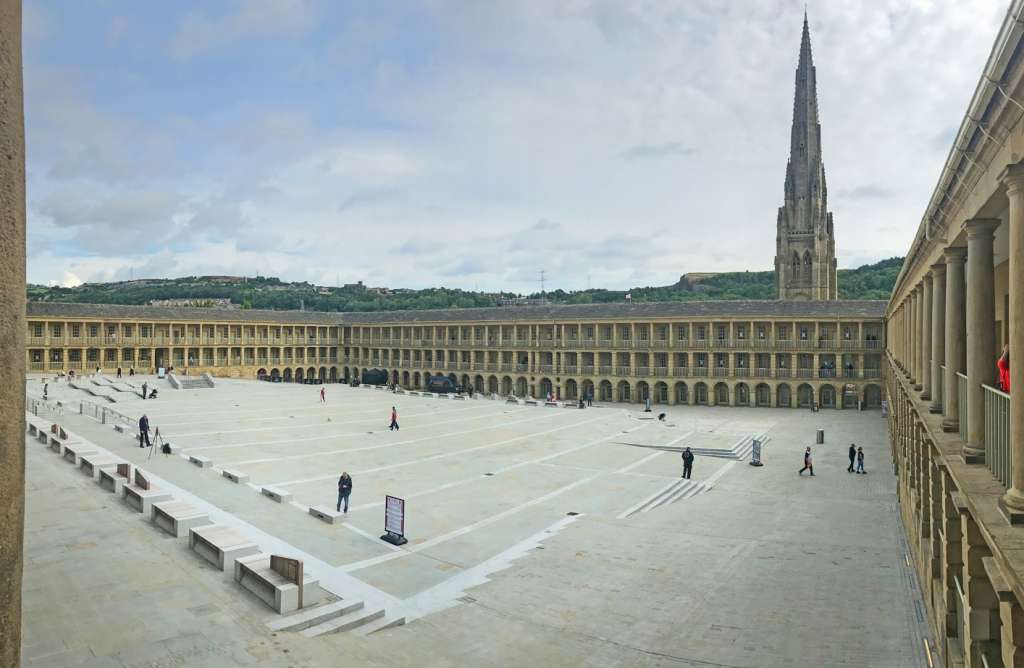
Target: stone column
[[981, 317], [919, 337], [926, 338], [938, 333], [956, 351], [1013, 177], [12, 331]]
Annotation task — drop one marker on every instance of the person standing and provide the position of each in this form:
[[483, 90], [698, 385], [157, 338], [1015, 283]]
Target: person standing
[[394, 420], [144, 387], [687, 462], [853, 456], [144, 431], [860, 460], [590, 398], [118, 372], [46, 390], [344, 490], [808, 462], [323, 395], [131, 371], [1004, 369]]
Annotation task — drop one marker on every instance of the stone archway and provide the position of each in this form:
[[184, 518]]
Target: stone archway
[[827, 396], [742, 394], [300, 375], [805, 396], [660, 393], [622, 392], [605, 390], [287, 375], [700, 394], [570, 389], [682, 393], [873, 396], [783, 396], [762, 395], [492, 385], [721, 394], [522, 387]]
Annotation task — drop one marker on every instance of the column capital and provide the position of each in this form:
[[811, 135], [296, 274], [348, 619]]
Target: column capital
[[938, 269], [954, 255], [982, 228], [926, 279], [1012, 177]]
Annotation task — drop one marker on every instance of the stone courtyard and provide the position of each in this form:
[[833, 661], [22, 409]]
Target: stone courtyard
[[537, 535]]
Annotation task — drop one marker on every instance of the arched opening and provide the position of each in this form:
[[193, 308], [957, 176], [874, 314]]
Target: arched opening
[[465, 382], [783, 396], [492, 384], [700, 394], [416, 379], [643, 391], [310, 373], [827, 396], [287, 375], [275, 375], [804, 396], [682, 393], [795, 266], [587, 389], [394, 376], [478, 383], [762, 395], [405, 379], [807, 266], [570, 389], [622, 391], [521, 386], [873, 396], [721, 394], [506, 385], [322, 373], [660, 393], [742, 394], [453, 378], [300, 375], [546, 388], [605, 390], [261, 374]]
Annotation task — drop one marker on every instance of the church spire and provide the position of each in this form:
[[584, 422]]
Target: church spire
[[805, 256]]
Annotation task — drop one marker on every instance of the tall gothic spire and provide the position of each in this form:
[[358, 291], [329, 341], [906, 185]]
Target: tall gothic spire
[[805, 255]]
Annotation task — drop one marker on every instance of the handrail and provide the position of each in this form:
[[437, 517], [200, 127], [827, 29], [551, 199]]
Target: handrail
[[998, 454]]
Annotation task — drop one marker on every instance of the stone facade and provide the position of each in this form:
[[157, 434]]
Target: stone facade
[[805, 249]]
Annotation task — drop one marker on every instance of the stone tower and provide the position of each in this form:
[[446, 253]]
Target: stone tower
[[805, 249]]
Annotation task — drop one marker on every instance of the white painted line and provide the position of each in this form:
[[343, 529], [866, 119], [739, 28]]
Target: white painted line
[[717, 475], [445, 455], [639, 462], [365, 534], [647, 499]]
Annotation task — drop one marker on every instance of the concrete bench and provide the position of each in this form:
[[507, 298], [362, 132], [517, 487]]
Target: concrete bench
[[44, 438], [220, 545], [276, 494], [141, 495], [512, 400], [177, 517], [120, 428], [235, 476], [114, 480], [201, 462], [92, 464], [552, 404], [530, 402], [273, 579], [326, 514], [73, 451], [459, 397]]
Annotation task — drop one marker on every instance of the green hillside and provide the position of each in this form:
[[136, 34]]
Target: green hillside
[[872, 281]]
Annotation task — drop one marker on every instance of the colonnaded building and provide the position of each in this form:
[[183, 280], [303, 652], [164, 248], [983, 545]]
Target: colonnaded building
[[957, 438], [807, 348]]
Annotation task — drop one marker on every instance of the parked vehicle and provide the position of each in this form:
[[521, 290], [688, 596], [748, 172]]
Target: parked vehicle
[[443, 385], [375, 377]]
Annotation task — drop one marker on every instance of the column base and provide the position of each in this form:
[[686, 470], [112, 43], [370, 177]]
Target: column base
[[950, 426], [1011, 506], [973, 455], [926, 396], [935, 408], [917, 387]]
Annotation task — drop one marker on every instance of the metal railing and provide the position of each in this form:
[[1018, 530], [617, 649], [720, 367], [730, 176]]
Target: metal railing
[[940, 386], [961, 407], [998, 455]]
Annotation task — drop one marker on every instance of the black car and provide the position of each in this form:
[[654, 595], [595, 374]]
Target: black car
[[375, 377], [443, 385]]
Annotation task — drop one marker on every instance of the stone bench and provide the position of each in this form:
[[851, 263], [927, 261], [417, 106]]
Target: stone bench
[[177, 517], [141, 495], [92, 464], [512, 400], [530, 402], [73, 451], [326, 514], [120, 428], [274, 580], [460, 397], [220, 545], [552, 404], [200, 461], [279, 495], [114, 480], [235, 476]]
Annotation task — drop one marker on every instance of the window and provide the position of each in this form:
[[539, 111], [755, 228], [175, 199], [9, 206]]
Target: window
[[721, 332], [803, 333], [76, 331], [742, 332], [643, 333], [94, 330], [57, 331], [37, 329], [588, 331], [846, 333], [760, 332], [700, 333], [625, 332]]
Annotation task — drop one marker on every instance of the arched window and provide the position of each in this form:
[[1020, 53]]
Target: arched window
[[807, 266], [796, 266]]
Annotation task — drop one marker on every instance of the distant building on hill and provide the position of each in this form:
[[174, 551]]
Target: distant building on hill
[[197, 303]]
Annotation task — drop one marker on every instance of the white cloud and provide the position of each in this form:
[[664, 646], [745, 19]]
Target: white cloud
[[200, 32]]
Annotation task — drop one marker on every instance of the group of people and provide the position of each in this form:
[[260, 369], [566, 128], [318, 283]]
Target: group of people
[[856, 460]]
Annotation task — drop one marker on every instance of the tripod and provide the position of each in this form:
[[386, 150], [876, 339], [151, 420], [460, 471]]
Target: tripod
[[158, 440]]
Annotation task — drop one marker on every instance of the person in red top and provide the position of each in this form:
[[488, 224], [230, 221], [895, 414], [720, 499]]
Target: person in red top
[[323, 396], [1004, 369], [394, 419]]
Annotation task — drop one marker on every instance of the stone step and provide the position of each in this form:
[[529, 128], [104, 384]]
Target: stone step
[[352, 620], [384, 622], [311, 617]]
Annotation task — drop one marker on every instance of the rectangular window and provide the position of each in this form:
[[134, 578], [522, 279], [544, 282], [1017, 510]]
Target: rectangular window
[[57, 331], [760, 332], [721, 332], [94, 330], [37, 330], [701, 332], [803, 333], [588, 331], [643, 333]]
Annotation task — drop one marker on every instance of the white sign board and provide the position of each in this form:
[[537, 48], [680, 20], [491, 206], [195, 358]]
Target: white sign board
[[394, 515], [160, 372]]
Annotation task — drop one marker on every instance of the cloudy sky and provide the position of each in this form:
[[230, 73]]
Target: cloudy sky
[[472, 144]]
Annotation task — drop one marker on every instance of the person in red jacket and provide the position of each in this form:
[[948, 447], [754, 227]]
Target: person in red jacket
[[1004, 369]]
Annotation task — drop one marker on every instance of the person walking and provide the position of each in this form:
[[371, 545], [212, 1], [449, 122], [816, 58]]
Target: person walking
[[1003, 364], [344, 490], [590, 398], [853, 456], [687, 462], [808, 462], [118, 372], [131, 371], [144, 386], [144, 431], [860, 460], [46, 390], [394, 420], [323, 395]]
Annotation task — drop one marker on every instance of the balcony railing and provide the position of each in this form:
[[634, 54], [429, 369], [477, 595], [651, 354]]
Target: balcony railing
[[998, 455], [961, 408]]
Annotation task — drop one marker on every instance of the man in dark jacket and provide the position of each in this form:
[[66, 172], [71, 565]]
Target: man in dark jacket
[[344, 490], [144, 387], [853, 456], [143, 432], [687, 462]]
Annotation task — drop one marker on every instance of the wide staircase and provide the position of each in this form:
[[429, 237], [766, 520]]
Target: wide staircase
[[190, 382]]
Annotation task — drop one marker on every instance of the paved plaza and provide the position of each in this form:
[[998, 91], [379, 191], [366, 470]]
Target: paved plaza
[[537, 535]]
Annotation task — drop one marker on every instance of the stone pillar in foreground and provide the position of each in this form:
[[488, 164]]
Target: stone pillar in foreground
[[12, 331], [919, 337], [956, 350], [926, 339], [938, 334], [981, 317], [1013, 500]]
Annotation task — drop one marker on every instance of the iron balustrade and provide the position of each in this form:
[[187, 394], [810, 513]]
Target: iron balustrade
[[961, 409], [998, 455]]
